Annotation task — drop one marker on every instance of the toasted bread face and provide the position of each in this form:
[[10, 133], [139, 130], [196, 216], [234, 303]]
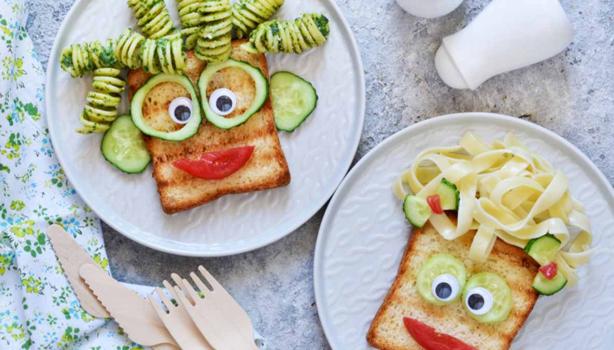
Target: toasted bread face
[[387, 331], [267, 168]]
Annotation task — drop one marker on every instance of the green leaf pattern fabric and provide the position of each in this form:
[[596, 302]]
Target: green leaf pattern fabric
[[38, 309]]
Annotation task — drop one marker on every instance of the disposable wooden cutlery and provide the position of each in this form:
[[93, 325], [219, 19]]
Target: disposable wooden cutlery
[[215, 312], [178, 321], [133, 313]]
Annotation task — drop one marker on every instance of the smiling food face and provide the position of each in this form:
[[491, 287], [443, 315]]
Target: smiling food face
[[439, 287], [265, 168]]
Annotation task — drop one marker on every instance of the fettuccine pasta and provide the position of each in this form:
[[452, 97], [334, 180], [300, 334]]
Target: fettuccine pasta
[[506, 192]]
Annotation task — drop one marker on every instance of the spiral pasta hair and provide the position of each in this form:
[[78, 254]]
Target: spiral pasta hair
[[248, 14], [164, 55], [291, 36], [78, 59], [214, 39], [128, 48], [152, 17], [191, 19], [102, 101]]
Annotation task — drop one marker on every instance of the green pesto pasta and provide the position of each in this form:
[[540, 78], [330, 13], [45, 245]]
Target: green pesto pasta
[[248, 14], [152, 17], [128, 48], [78, 59], [191, 20], [291, 36], [102, 102], [214, 38], [164, 55]]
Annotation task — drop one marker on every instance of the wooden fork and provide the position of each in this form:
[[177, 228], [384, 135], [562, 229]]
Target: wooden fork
[[178, 321], [222, 321]]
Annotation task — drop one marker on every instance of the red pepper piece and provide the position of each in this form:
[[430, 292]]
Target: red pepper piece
[[435, 203]]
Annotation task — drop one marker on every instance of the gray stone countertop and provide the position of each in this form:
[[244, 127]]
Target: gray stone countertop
[[571, 94]]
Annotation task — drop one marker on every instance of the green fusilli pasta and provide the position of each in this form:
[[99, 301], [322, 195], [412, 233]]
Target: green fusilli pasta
[[248, 14], [214, 38], [152, 17], [128, 48], [291, 36], [78, 59], [102, 102]]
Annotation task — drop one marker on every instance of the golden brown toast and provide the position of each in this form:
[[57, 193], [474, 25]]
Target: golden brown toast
[[267, 168], [387, 331]]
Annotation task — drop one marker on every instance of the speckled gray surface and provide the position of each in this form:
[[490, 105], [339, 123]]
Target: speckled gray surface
[[571, 94]]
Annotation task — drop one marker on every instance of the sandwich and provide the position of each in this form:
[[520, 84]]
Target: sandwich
[[266, 168], [407, 319]]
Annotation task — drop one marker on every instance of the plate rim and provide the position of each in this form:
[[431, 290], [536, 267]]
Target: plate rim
[[429, 123], [52, 64]]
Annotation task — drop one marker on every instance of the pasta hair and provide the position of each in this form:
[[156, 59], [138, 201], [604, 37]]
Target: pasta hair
[[248, 14], [152, 17], [291, 36], [102, 101]]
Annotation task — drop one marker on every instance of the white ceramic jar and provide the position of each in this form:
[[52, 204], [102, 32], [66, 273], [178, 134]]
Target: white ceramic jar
[[506, 35], [429, 8]]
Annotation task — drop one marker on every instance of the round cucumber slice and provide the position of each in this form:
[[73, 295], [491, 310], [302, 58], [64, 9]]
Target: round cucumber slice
[[487, 297], [294, 99], [430, 278], [123, 146], [262, 93], [188, 130]]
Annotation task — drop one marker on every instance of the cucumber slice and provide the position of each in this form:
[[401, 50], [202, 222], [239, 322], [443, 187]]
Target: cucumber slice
[[543, 249], [496, 297], [123, 146], [294, 99], [448, 195], [545, 286], [417, 210], [436, 266], [262, 93], [136, 108]]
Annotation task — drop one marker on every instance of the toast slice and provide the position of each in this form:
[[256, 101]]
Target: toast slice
[[387, 331], [267, 168]]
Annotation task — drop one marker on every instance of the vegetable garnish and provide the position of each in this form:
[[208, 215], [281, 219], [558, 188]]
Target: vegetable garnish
[[549, 271], [430, 339], [216, 165], [506, 191], [435, 203]]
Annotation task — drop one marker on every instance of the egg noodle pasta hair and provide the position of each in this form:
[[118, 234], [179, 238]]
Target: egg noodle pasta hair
[[506, 192]]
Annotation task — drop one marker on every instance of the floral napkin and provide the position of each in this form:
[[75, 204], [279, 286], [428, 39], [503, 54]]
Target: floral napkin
[[38, 309]]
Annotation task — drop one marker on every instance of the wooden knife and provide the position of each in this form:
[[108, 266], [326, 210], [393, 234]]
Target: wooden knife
[[71, 257], [134, 314]]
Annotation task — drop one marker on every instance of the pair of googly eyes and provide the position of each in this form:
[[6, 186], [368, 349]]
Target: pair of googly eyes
[[447, 288], [222, 102]]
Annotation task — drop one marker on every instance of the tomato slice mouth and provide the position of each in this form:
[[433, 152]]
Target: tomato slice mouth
[[430, 339], [216, 165]]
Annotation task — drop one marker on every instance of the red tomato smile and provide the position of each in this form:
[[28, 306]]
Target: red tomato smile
[[430, 339], [216, 165]]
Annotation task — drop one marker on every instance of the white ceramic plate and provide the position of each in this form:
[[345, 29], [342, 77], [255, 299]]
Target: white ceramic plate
[[318, 153], [364, 233]]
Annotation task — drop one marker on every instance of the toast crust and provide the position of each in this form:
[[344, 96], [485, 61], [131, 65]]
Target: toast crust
[[437, 317], [266, 169]]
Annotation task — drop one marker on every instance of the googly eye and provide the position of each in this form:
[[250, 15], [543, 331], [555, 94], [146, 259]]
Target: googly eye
[[445, 287], [180, 110], [223, 101], [479, 301]]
